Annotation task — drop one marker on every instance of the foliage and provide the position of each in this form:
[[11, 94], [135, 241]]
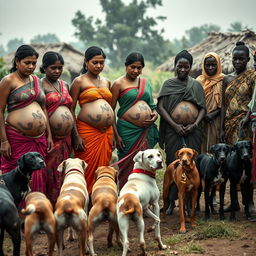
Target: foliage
[[13, 44], [2, 50], [126, 28], [193, 247], [45, 39], [237, 26], [3, 70]]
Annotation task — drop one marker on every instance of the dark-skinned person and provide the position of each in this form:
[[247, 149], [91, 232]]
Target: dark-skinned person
[[58, 106], [238, 90], [135, 129], [93, 133], [26, 127], [181, 105]]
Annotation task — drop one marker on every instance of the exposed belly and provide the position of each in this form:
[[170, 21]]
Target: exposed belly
[[138, 113], [184, 113], [98, 114], [61, 121], [30, 120]]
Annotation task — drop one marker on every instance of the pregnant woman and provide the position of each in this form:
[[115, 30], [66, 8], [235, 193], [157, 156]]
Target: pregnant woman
[[181, 105]]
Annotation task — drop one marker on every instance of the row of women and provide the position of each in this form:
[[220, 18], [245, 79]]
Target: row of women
[[41, 113]]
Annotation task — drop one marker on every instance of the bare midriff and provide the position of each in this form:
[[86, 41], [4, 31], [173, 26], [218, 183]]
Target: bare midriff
[[138, 113], [30, 120], [98, 114], [61, 122], [184, 113]]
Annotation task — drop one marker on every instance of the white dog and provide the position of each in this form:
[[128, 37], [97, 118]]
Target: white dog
[[139, 194]]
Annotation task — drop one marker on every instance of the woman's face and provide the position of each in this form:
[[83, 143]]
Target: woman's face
[[134, 70], [27, 65], [96, 64], [182, 69], [54, 71], [210, 66], [240, 60]]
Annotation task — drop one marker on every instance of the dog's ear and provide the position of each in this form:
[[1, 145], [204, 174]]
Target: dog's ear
[[138, 157], [84, 165], [212, 149], [177, 154], [195, 153], [62, 166], [96, 174], [21, 162]]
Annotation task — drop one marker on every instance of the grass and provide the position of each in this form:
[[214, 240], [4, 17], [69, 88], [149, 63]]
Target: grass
[[193, 247]]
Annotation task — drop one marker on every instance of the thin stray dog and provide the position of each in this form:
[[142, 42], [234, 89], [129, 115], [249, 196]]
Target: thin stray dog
[[184, 174], [139, 194], [39, 217], [104, 199]]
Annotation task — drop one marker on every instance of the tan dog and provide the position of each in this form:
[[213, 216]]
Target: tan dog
[[139, 194], [39, 217], [104, 199], [184, 173], [72, 203]]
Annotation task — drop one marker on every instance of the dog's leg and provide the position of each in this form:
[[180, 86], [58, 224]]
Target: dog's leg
[[1, 241], [123, 223], [166, 187], [222, 195], [245, 190], [93, 220], [16, 238], [234, 199], [60, 233], [181, 210], [28, 242], [198, 209], [213, 192], [141, 228], [82, 239], [193, 212], [207, 200]]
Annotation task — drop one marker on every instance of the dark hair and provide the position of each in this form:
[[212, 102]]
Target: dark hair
[[242, 47], [21, 53], [184, 54], [90, 53], [50, 58], [133, 57]]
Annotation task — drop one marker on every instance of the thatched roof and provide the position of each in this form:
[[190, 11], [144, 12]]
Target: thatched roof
[[222, 44]]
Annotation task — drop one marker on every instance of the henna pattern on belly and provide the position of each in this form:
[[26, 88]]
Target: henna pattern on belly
[[66, 116], [134, 117], [143, 107], [40, 128], [185, 108], [37, 115], [29, 126], [56, 128], [108, 121], [67, 129], [105, 107], [97, 119]]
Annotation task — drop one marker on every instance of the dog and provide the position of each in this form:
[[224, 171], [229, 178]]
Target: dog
[[239, 169], [104, 199], [14, 186], [72, 204], [138, 195], [213, 171], [182, 172], [39, 216]]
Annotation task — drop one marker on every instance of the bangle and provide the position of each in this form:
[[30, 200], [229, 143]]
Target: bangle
[[3, 141]]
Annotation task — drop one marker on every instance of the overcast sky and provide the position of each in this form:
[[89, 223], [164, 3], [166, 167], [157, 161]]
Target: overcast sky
[[27, 18]]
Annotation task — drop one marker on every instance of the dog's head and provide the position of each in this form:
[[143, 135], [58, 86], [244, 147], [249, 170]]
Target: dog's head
[[149, 159], [106, 171], [220, 151], [72, 164], [244, 149], [186, 156], [30, 162]]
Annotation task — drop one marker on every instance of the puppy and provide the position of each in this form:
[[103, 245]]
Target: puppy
[[184, 174], [213, 170], [39, 217], [14, 185], [72, 203], [104, 199], [139, 194]]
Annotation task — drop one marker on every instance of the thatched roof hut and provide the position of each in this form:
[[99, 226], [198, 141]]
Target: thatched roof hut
[[222, 44]]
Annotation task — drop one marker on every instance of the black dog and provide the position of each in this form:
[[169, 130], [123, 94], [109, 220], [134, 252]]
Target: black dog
[[14, 187], [239, 168], [213, 170]]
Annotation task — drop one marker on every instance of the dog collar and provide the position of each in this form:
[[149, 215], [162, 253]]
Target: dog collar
[[106, 176], [152, 175], [74, 169]]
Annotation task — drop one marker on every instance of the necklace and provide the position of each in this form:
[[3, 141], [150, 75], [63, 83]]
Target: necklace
[[22, 79], [52, 84]]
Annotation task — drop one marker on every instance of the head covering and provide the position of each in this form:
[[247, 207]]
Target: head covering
[[184, 54], [212, 84]]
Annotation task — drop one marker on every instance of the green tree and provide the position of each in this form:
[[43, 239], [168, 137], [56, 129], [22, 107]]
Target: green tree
[[237, 26], [126, 27], [45, 39], [2, 50], [13, 44], [3, 70]]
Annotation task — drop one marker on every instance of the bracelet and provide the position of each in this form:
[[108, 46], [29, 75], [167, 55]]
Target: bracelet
[[4, 141]]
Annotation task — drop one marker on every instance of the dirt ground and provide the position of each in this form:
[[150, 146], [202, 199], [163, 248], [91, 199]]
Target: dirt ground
[[244, 244]]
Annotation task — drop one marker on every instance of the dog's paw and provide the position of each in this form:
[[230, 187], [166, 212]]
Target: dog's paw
[[183, 230]]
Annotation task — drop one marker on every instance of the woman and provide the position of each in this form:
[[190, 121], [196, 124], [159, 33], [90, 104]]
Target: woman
[[93, 139], [211, 80], [58, 106], [135, 129], [181, 105], [26, 123]]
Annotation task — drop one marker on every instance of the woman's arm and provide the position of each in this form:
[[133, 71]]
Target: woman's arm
[[49, 133]]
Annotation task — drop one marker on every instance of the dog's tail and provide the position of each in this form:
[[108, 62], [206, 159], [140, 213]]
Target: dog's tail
[[130, 205], [30, 208]]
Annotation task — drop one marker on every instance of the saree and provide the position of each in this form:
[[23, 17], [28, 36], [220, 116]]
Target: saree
[[238, 94], [62, 147], [21, 144], [135, 138], [98, 151], [173, 92], [212, 86]]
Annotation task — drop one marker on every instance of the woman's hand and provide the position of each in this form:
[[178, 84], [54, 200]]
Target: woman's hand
[[243, 122], [209, 117], [189, 128], [179, 128], [5, 149], [50, 144], [119, 143], [79, 143], [153, 118]]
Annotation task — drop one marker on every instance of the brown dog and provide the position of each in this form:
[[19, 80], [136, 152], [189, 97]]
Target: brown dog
[[39, 217], [184, 173], [104, 199]]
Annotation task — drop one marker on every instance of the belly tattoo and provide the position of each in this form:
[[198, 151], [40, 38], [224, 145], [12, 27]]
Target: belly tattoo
[[97, 119], [134, 117], [105, 107], [37, 115], [27, 127], [66, 116]]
